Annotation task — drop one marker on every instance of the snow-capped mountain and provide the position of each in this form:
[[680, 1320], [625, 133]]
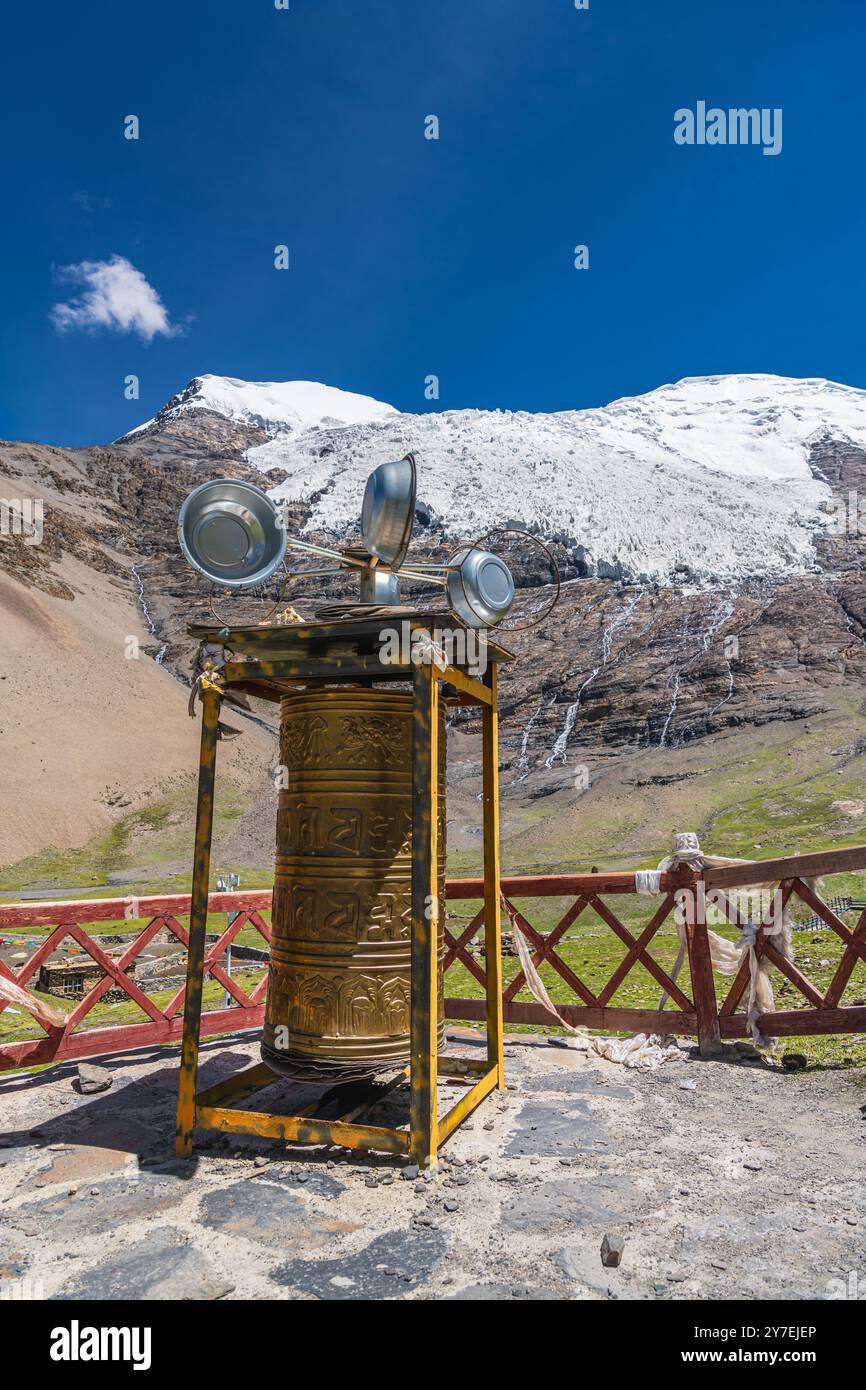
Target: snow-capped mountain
[[705, 480], [705, 595], [274, 406]]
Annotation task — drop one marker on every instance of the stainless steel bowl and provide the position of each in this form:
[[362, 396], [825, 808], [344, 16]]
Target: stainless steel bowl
[[388, 510], [480, 588], [230, 532]]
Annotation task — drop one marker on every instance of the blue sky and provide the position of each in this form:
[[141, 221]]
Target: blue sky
[[411, 257]]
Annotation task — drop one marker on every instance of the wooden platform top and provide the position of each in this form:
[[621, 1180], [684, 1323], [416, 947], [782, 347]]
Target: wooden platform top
[[343, 637], [273, 661]]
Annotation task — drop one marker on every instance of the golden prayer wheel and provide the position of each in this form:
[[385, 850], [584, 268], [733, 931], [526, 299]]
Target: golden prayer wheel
[[339, 987]]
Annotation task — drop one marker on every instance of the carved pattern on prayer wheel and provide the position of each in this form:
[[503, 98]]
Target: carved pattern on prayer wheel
[[339, 984]]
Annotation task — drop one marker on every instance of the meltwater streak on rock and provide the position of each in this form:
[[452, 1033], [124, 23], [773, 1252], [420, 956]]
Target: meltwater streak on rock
[[151, 625], [674, 687], [523, 758], [717, 622], [561, 745], [523, 769], [720, 615]]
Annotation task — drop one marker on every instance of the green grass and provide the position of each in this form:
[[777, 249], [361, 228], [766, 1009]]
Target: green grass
[[15, 1029], [134, 849]]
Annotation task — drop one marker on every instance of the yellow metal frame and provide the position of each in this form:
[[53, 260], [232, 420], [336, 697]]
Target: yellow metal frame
[[427, 1131]]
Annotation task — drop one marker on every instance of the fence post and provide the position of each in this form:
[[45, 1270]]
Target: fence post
[[701, 967]]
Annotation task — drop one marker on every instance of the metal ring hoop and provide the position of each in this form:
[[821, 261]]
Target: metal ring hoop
[[518, 531]]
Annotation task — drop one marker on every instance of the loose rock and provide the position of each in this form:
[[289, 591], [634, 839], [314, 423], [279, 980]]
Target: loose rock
[[794, 1061], [93, 1079], [611, 1250]]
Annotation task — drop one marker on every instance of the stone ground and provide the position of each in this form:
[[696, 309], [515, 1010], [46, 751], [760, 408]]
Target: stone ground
[[728, 1178]]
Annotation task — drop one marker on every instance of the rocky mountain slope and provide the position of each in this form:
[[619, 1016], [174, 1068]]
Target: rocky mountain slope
[[713, 594]]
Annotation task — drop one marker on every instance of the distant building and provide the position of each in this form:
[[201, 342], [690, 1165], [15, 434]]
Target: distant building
[[73, 979]]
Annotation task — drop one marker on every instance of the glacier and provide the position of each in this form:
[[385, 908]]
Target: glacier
[[702, 481]]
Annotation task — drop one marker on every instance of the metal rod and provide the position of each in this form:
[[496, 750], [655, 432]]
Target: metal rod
[[492, 880], [186, 1107], [420, 566], [305, 574], [426, 909], [309, 549], [422, 578], [301, 1130]]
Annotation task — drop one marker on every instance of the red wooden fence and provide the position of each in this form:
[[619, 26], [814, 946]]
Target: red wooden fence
[[164, 1024], [695, 1009]]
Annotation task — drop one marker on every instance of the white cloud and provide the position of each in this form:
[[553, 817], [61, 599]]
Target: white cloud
[[116, 296]]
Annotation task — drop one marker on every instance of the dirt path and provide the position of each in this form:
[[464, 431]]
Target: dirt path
[[727, 1178]]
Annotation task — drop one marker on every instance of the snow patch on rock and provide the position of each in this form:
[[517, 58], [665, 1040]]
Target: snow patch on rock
[[274, 406]]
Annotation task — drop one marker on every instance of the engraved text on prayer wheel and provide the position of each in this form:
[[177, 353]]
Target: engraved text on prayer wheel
[[339, 987]]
